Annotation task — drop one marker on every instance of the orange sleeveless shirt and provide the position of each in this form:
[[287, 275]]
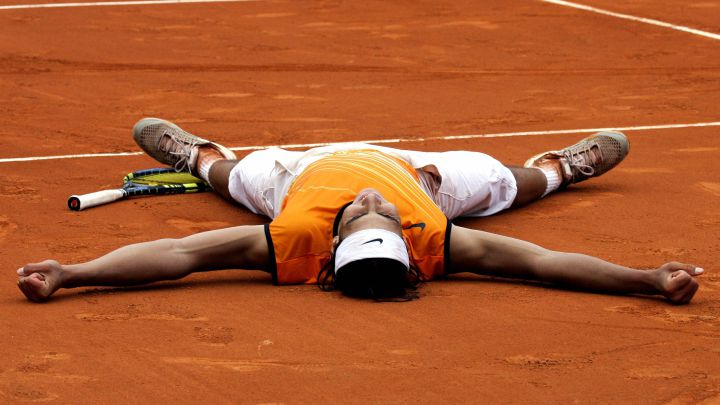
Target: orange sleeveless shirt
[[300, 237]]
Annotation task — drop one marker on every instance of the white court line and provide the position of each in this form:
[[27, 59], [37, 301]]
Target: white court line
[[84, 155], [114, 3], [633, 18], [395, 140]]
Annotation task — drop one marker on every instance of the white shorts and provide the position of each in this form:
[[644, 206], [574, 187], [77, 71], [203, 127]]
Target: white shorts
[[470, 184]]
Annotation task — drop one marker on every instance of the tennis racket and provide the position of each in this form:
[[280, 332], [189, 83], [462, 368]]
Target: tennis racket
[[143, 182]]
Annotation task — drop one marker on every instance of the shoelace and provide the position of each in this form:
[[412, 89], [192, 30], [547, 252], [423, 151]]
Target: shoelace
[[181, 149], [577, 159]]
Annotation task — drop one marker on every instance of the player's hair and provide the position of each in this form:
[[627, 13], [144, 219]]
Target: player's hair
[[381, 279]]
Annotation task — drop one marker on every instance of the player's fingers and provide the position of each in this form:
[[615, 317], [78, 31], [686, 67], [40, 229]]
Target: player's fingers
[[679, 283], [22, 286], [27, 270], [688, 268], [680, 277], [697, 271], [32, 286], [26, 289], [31, 268], [689, 293]]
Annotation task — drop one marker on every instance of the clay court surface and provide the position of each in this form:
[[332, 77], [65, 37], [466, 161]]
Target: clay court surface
[[75, 80]]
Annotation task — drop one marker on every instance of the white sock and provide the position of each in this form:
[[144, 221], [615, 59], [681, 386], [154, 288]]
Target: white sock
[[553, 179], [205, 161]]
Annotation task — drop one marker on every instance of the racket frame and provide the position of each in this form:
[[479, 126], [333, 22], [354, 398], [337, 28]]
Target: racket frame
[[131, 189]]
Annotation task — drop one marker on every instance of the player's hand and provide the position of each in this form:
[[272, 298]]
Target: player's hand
[[38, 281], [677, 281]]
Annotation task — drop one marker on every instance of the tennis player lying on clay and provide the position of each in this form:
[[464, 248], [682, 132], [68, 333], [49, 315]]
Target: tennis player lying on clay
[[369, 221]]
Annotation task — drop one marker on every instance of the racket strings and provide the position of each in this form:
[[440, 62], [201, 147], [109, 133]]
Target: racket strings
[[166, 178]]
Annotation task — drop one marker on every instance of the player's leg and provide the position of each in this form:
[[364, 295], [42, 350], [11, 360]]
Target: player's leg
[[173, 146], [531, 185], [591, 157], [219, 177], [252, 181], [475, 184], [551, 171]]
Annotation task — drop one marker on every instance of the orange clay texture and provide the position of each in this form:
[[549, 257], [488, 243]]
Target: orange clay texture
[[75, 80]]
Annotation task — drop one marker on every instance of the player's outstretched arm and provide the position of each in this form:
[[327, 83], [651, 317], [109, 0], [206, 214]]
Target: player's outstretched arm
[[242, 247], [486, 253]]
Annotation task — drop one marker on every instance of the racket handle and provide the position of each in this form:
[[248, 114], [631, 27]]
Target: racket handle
[[80, 202]]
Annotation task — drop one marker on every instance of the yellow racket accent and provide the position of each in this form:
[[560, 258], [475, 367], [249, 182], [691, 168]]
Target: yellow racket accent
[[159, 179]]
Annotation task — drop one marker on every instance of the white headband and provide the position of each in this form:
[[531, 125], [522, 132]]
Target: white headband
[[371, 243]]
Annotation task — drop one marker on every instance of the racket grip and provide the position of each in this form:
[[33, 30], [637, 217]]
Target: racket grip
[[80, 202]]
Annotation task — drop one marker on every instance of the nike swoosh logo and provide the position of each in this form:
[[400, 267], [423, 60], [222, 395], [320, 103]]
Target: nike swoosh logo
[[374, 240], [420, 225]]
